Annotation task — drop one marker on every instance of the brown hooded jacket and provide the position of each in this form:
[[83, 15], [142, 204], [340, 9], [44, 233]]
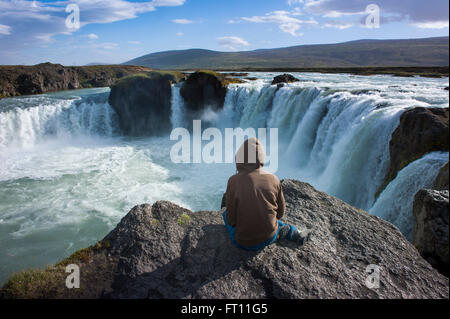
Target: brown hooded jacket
[[254, 199]]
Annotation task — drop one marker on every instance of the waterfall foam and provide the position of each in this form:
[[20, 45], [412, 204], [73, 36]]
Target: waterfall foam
[[55, 119], [337, 141], [396, 201]]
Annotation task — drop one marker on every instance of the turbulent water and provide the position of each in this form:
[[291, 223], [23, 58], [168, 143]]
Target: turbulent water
[[67, 175]]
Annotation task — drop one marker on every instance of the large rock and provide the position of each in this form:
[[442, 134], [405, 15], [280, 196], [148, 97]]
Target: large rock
[[284, 78], [204, 89], [165, 251], [143, 103], [430, 234], [441, 182], [420, 131]]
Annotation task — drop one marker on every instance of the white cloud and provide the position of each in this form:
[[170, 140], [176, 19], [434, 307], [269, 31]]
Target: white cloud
[[338, 25], [180, 34], [232, 42], [291, 28], [105, 46], [135, 42], [432, 25], [422, 12], [5, 29], [92, 36], [292, 2], [45, 38], [286, 20], [182, 21], [39, 21]]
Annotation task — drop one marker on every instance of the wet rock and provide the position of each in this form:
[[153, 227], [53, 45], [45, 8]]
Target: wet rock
[[142, 103], [420, 131], [430, 234], [202, 90], [441, 182], [284, 78]]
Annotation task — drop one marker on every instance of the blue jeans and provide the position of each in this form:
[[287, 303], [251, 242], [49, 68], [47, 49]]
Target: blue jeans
[[232, 232]]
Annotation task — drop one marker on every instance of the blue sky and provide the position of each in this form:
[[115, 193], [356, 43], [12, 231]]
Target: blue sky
[[114, 31]]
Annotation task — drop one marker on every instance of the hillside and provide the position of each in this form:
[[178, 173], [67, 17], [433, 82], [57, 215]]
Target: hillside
[[361, 53]]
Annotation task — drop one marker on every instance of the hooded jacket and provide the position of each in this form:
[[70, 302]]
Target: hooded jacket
[[254, 198]]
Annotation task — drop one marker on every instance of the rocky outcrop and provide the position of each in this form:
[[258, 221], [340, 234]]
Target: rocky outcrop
[[204, 89], [430, 234], [165, 251], [142, 103], [420, 131], [47, 77], [284, 78], [441, 182]]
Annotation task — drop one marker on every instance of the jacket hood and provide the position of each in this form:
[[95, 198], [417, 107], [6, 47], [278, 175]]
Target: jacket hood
[[250, 155]]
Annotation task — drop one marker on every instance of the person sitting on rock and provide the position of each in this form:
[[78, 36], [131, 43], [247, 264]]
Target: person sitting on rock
[[254, 203]]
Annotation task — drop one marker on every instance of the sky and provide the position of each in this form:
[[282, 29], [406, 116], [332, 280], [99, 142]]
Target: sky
[[81, 32]]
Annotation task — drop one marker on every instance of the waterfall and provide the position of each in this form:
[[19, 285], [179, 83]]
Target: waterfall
[[337, 141], [24, 123], [395, 203], [178, 116]]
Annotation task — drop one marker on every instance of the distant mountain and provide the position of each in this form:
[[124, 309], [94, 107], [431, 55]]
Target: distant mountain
[[360, 53]]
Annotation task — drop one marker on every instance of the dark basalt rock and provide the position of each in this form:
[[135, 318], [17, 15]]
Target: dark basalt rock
[[430, 234], [284, 78], [142, 103], [441, 182], [204, 89], [420, 131]]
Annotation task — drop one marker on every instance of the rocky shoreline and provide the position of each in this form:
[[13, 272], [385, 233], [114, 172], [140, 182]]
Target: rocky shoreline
[[48, 77], [166, 251]]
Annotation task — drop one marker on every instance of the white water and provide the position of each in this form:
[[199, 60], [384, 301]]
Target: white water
[[395, 203], [67, 176]]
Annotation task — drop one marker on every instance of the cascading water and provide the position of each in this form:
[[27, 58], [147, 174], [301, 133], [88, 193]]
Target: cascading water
[[338, 142], [55, 118], [395, 203], [67, 176]]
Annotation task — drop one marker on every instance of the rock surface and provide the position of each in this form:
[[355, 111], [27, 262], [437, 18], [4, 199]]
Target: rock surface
[[142, 103], [420, 131], [284, 78], [430, 234], [47, 77], [204, 89], [441, 182], [165, 251]]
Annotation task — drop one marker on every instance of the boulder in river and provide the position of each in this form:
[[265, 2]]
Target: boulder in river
[[143, 103], [284, 78], [204, 89]]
